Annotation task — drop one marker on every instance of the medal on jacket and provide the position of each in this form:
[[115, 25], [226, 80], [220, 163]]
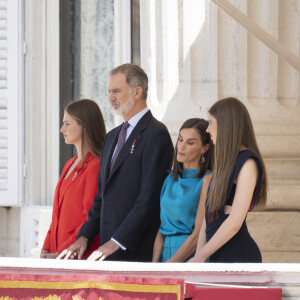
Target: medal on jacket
[[132, 147], [74, 176]]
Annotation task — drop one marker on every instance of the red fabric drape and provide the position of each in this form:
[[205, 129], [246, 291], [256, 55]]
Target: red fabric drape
[[89, 287], [215, 293], [79, 287]]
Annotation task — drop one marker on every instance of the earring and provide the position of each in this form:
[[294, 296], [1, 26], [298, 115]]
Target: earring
[[202, 159]]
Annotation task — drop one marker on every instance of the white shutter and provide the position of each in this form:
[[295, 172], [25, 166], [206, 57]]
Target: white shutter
[[11, 103]]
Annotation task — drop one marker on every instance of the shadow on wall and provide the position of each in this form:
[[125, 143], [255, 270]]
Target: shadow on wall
[[183, 80]]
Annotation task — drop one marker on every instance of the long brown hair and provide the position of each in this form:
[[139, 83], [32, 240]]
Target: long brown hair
[[88, 114], [234, 132], [199, 125]]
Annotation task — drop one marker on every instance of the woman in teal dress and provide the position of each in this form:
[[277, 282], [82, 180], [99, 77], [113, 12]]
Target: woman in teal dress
[[182, 200]]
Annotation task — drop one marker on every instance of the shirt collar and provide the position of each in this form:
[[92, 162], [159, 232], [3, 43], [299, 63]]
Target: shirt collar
[[135, 119]]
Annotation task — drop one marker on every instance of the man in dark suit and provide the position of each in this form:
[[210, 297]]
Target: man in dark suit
[[134, 163]]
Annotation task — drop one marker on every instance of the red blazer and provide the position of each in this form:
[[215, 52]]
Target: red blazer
[[72, 202]]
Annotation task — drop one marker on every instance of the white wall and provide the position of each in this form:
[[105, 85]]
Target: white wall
[[42, 115]]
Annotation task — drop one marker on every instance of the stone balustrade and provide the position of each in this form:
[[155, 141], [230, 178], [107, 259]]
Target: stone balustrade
[[284, 276]]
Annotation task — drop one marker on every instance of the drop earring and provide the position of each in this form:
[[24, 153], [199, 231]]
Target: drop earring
[[202, 159]]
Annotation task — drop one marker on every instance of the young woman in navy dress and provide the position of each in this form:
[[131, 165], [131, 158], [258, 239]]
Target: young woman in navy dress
[[239, 183]]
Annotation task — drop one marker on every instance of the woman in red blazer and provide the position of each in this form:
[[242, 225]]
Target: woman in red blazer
[[83, 126]]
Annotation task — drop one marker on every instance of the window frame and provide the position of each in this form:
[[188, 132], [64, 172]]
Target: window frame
[[14, 194]]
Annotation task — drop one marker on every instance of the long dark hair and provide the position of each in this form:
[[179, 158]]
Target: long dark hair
[[88, 114], [199, 125], [234, 131]]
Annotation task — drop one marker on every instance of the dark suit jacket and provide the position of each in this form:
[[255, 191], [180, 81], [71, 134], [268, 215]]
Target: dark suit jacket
[[127, 204]]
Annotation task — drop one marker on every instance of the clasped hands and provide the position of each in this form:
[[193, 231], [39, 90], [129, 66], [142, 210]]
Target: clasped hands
[[77, 250]]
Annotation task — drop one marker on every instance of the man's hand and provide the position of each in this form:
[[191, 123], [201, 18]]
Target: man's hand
[[78, 248], [104, 251]]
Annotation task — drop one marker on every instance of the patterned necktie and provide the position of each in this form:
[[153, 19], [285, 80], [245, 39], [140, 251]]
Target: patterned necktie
[[120, 143]]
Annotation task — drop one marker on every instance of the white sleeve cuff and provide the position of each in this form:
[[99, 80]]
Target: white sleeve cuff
[[120, 245]]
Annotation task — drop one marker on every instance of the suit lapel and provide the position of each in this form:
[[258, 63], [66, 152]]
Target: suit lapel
[[57, 191], [71, 180], [63, 174], [136, 134], [57, 200]]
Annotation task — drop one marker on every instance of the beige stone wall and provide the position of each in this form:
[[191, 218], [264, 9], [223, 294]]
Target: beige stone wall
[[195, 54]]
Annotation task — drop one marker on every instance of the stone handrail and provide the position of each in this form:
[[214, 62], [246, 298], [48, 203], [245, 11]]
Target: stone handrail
[[261, 34], [284, 276]]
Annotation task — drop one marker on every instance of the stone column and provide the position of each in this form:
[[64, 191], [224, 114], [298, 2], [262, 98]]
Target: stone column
[[232, 64], [276, 119], [42, 119], [176, 39], [95, 51]]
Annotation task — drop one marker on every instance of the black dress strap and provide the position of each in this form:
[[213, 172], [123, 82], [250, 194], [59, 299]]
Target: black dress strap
[[241, 159]]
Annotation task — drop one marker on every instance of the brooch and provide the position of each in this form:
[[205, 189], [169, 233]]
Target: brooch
[[74, 176], [132, 147]]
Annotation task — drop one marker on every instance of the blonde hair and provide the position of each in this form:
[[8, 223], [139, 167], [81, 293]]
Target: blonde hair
[[234, 132]]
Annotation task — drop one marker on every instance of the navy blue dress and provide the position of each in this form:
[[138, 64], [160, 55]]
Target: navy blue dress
[[241, 247]]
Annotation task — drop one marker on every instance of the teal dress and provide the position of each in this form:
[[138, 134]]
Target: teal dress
[[179, 202]]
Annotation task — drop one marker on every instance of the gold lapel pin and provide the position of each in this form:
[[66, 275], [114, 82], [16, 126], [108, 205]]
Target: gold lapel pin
[[74, 176]]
